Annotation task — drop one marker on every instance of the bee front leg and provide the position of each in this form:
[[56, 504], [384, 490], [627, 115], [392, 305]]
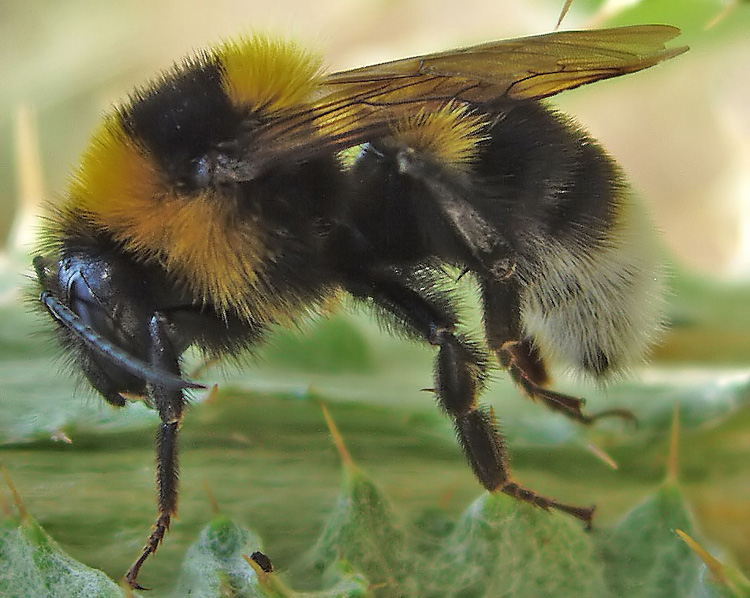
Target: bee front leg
[[519, 355], [170, 405]]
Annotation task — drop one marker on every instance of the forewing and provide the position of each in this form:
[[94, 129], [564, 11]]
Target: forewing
[[524, 68], [357, 105]]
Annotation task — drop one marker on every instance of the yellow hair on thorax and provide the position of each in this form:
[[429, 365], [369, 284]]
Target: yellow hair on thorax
[[196, 238], [268, 74], [451, 134]]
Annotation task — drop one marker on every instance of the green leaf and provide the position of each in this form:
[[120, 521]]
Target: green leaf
[[364, 530], [32, 564], [645, 558], [503, 548], [214, 565], [350, 584], [218, 565]]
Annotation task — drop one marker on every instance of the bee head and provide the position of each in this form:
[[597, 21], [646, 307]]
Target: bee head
[[103, 309]]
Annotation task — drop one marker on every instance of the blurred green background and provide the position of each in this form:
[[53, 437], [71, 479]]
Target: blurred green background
[[680, 130]]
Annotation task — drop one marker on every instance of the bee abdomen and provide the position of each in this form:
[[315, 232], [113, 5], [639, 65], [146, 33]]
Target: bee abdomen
[[597, 307]]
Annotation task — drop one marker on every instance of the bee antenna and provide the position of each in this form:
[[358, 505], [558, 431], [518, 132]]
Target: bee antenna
[[97, 343]]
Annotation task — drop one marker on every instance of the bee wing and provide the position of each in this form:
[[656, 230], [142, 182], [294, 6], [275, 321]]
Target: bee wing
[[525, 68], [357, 105]]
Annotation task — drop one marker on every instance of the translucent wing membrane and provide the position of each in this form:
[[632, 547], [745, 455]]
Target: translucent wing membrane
[[356, 105], [524, 68]]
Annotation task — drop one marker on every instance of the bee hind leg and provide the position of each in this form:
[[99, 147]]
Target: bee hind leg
[[520, 357]]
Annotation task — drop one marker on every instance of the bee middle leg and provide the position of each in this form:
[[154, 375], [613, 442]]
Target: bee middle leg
[[519, 355], [460, 370]]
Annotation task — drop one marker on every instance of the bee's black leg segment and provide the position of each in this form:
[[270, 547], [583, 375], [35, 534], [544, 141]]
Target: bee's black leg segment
[[521, 353], [460, 370], [503, 329], [166, 450], [585, 514], [459, 373], [170, 403], [520, 356], [458, 378], [157, 535]]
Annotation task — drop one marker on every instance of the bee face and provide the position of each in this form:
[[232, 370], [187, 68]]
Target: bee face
[[89, 286], [214, 205]]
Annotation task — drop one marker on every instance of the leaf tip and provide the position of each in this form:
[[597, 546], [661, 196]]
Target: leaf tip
[[673, 463], [215, 508], [338, 441], [23, 513], [716, 568]]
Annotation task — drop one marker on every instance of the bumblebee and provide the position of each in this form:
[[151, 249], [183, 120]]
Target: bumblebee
[[214, 205]]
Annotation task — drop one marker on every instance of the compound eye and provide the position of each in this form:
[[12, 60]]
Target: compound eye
[[84, 302]]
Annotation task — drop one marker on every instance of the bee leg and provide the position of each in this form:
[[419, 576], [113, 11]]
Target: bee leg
[[525, 363], [170, 404], [519, 355], [460, 370], [458, 377]]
